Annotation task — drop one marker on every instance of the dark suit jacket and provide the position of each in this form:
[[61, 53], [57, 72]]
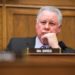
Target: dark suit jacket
[[17, 45]]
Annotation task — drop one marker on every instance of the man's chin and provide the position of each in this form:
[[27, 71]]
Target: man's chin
[[44, 41]]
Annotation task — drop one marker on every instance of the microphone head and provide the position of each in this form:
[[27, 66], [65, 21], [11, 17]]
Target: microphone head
[[62, 45]]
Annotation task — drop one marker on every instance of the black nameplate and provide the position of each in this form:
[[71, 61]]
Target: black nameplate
[[43, 51]]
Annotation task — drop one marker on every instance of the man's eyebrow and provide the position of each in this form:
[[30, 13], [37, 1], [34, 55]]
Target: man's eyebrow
[[52, 21]]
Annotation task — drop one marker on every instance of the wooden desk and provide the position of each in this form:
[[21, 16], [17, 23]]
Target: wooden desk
[[57, 64]]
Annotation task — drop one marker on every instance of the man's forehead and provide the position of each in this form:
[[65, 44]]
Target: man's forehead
[[48, 16]]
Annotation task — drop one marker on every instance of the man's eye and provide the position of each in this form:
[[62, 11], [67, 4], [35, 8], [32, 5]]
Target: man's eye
[[43, 22], [51, 23]]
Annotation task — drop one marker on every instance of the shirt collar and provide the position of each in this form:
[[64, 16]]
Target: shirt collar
[[38, 43]]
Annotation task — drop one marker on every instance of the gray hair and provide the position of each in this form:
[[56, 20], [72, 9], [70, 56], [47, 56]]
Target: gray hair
[[50, 9]]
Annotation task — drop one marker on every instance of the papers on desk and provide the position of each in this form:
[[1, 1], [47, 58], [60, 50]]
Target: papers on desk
[[6, 56]]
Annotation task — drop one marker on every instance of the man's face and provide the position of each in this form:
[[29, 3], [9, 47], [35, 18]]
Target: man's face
[[47, 23]]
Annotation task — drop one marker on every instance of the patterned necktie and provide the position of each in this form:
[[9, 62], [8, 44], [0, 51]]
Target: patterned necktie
[[44, 46]]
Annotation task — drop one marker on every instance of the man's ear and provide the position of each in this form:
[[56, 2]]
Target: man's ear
[[59, 29]]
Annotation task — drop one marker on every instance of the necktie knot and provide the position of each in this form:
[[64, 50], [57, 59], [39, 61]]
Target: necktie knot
[[45, 46]]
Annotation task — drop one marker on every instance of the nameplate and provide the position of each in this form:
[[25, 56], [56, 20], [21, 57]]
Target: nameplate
[[43, 51]]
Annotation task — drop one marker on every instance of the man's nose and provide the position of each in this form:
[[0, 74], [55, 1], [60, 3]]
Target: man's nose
[[47, 26]]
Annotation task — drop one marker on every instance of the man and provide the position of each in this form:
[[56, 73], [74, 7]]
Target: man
[[48, 25]]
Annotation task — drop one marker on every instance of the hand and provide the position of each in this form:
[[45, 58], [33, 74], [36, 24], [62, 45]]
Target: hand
[[51, 39]]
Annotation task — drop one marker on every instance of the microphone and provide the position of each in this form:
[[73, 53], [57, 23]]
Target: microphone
[[62, 45]]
